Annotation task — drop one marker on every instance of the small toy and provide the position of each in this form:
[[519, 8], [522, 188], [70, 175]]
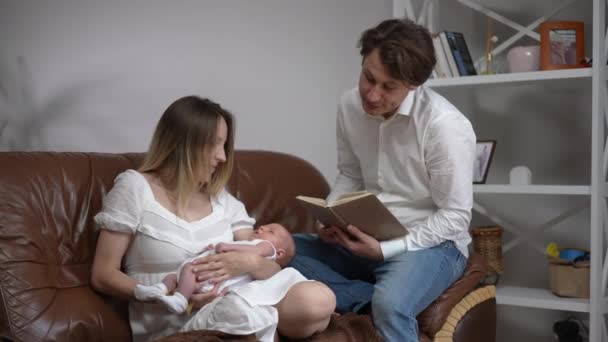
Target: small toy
[[552, 250], [570, 254]]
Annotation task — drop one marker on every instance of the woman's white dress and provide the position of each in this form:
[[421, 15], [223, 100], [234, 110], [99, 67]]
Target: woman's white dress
[[162, 241]]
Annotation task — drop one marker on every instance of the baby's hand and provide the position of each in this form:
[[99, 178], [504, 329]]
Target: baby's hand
[[221, 247], [209, 247]]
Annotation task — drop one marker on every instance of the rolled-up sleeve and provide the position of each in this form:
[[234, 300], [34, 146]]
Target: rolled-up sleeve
[[236, 212], [123, 204]]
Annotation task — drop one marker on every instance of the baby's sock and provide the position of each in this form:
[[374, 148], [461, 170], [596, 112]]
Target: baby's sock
[[175, 303], [149, 292]]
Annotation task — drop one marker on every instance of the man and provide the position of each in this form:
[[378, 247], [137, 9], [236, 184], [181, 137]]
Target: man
[[415, 151]]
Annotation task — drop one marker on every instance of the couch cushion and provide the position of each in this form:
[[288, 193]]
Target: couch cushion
[[47, 239]]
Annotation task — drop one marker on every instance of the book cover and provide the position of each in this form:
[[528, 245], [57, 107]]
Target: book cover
[[460, 51], [362, 210]]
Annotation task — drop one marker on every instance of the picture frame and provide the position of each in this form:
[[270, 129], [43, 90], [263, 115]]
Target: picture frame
[[562, 45], [483, 158]]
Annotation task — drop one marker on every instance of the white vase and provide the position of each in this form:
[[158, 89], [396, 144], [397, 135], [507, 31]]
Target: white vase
[[524, 58]]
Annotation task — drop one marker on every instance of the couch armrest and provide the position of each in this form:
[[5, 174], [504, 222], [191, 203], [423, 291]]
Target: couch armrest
[[434, 316], [478, 306]]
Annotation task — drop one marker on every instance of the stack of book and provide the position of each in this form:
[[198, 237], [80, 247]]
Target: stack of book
[[453, 57]]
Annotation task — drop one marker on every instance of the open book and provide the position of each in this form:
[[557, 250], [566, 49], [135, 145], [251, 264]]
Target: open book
[[361, 209]]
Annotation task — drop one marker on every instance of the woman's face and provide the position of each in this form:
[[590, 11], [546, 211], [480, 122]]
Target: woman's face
[[216, 154]]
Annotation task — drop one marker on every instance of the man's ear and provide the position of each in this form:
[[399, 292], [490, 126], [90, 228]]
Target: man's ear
[[412, 88]]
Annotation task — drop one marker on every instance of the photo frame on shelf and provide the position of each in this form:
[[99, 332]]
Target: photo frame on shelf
[[562, 45], [483, 158]]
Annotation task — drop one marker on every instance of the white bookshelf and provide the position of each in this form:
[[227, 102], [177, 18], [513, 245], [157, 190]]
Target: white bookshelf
[[595, 193], [539, 298], [532, 189], [514, 78]]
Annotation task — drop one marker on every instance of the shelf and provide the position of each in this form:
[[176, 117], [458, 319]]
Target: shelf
[[539, 298], [532, 189], [518, 77]]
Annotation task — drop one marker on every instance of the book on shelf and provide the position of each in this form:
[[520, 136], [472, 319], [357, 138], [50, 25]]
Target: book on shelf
[[460, 53], [447, 51], [442, 69], [361, 209]]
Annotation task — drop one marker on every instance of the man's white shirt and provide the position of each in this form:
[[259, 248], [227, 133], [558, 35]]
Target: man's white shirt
[[419, 163]]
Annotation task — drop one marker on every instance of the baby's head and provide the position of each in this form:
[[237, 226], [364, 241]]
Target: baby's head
[[281, 238]]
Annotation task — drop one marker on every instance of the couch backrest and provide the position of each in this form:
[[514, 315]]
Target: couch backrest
[[268, 182], [48, 237]]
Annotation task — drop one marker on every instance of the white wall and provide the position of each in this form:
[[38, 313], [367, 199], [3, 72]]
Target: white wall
[[102, 72]]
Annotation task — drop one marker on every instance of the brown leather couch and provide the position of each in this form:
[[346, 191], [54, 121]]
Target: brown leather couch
[[47, 241]]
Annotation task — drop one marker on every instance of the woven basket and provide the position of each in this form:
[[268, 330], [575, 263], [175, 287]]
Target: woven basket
[[487, 241]]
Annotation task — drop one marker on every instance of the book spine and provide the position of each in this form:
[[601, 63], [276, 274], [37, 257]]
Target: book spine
[[448, 54], [462, 57], [466, 55]]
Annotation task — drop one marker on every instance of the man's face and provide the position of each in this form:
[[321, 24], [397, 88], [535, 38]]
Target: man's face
[[380, 93]]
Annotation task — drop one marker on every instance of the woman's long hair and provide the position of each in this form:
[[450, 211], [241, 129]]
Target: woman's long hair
[[180, 149]]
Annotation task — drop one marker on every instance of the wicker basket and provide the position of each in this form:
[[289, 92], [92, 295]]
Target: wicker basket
[[569, 279], [487, 241]]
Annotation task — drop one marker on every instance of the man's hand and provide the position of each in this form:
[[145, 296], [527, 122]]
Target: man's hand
[[327, 233], [359, 243]]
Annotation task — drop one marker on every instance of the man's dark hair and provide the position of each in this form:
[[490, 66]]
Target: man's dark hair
[[405, 48]]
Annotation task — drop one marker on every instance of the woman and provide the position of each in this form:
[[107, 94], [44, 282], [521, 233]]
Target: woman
[[174, 206]]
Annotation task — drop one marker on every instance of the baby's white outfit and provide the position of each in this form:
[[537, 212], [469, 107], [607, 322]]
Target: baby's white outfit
[[248, 308], [161, 241], [232, 282], [177, 303]]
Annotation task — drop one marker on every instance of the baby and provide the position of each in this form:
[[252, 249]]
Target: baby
[[272, 241]]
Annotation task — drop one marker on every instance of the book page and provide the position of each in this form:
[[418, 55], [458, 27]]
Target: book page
[[349, 196], [322, 213], [313, 200]]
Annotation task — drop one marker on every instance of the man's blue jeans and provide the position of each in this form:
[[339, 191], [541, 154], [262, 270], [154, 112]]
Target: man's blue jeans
[[398, 288]]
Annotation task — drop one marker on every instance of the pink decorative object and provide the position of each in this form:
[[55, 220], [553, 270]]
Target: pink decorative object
[[524, 58]]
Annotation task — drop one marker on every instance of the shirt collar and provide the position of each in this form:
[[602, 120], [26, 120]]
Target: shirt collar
[[405, 108], [408, 103]]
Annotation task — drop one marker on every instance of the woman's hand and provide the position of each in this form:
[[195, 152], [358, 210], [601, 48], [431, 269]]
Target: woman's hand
[[359, 243], [219, 267], [201, 299]]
